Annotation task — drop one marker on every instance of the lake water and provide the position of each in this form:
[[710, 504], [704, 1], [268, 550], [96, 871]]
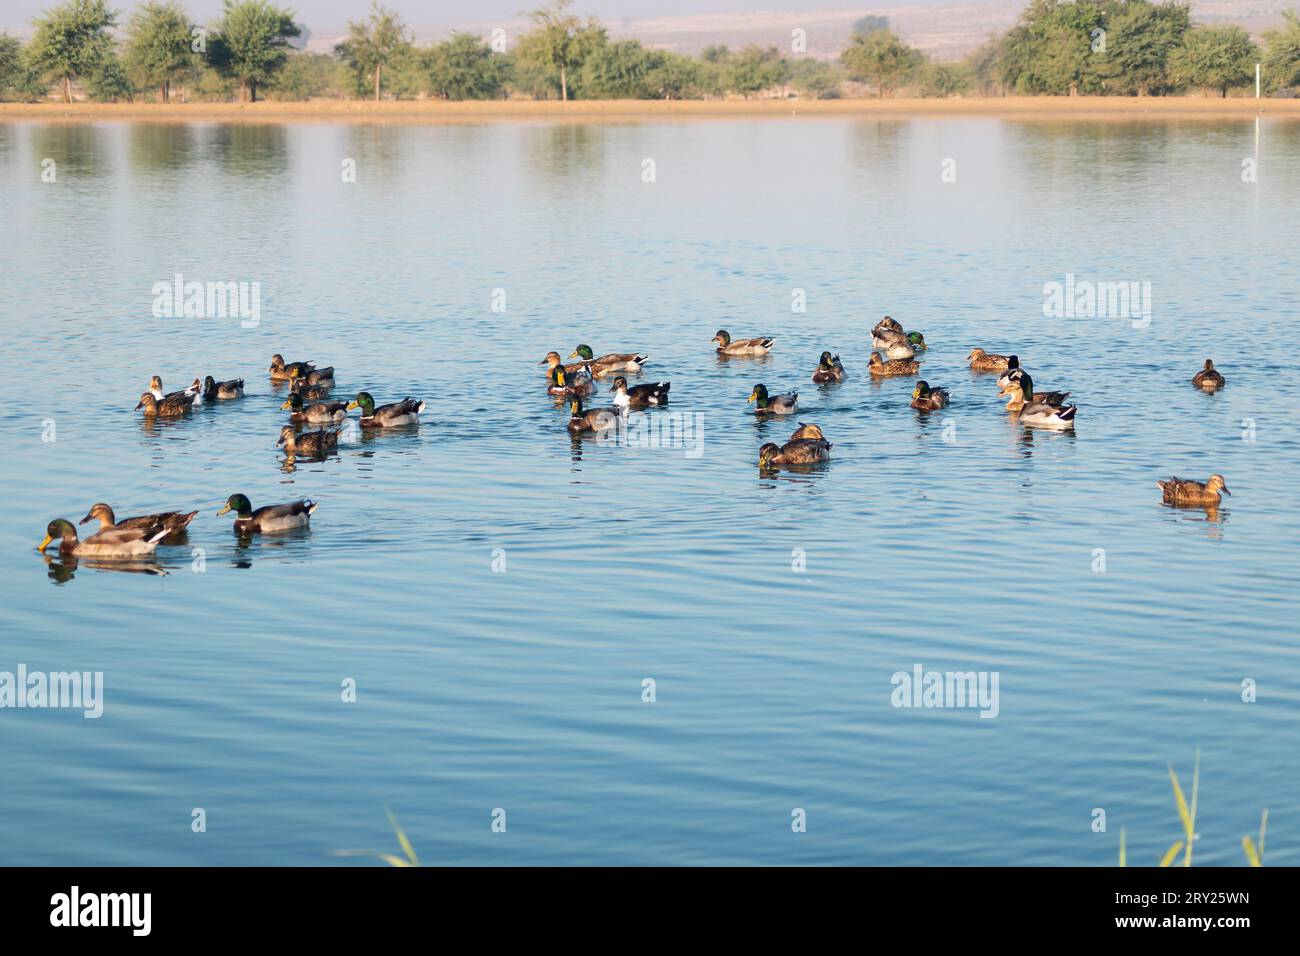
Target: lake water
[[457, 258]]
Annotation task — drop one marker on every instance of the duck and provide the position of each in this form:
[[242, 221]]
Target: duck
[[573, 368], [562, 383], [1208, 379], [271, 518], [109, 543], [613, 362], [639, 396], [223, 391], [887, 324], [170, 406], [774, 404], [315, 414], [1032, 412], [728, 346], [926, 398], [1013, 367], [882, 369], [828, 369], [312, 393], [174, 521], [1182, 491], [156, 390], [917, 341], [982, 361], [806, 430], [591, 419], [282, 371], [405, 412], [893, 344], [324, 377], [797, 451], [308, 443], [1012, 387]]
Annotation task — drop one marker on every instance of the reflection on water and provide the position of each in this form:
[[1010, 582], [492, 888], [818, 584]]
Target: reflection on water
[[771, 608]]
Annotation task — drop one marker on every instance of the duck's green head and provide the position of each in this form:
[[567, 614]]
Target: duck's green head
[[239, 504], [722, 338], [583, 352], [767, 453], [922, 390], [294, 402], [1013, 362], [916, 339], [557, 376], [59, 528], [826, 360], [620, 384], [1026, 386], [759, 395], [364, 401]]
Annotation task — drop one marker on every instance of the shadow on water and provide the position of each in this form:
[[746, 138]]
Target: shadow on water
[[61, 570]]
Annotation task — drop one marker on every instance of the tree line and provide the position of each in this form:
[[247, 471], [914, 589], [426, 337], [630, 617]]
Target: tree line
[[1056, 47]]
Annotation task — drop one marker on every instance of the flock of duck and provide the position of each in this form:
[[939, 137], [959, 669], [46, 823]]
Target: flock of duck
[[894, 352], [138, 537]]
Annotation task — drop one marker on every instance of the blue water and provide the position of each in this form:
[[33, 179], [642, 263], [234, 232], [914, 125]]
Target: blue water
[[961, 542]]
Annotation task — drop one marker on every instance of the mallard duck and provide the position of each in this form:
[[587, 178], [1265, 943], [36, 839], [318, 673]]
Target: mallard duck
[[315, 414], [271, 518], [324, 377], [1208, 378], [893, 344], [727, 346], [613, 362], [592, 419], [174, 521], [639, 396], [312, 393], [170, 406], [405, 412], [882, 369], [774, 404], [110, 543], [224, 391], [1011, 386], [1011, 371], [982, 361], [281, 371], [927, 399], [308, 443], [194, 389], [573, 368], [797, 451], [1183, 491], [1034, 412], [897, 350], [562, 383], [887, 324], [807, 431], [828, 369], [917, 341]]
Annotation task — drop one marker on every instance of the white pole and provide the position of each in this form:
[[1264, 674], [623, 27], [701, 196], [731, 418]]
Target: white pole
[[1256, 81]]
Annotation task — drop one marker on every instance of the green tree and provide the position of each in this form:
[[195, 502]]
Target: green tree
[[72, 40], [11, 64], [305, 75], [675, 77], [881, 60], [373, 44], [870, 24], [158, 48], [1140, 38], [1217, 57], [559, 42], [110, 83], [755, 69], [944, 79], [466, 68], [622, 70], [814, 79], [1282, 52], [252, 43]]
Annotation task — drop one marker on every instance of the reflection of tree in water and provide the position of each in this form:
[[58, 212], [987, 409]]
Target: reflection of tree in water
[[82, 149], [248, 149], [160, 147]]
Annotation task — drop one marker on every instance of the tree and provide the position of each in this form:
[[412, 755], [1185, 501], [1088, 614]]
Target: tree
[[1217, 57], [374, 44], [814, 79], [675, 77], [158, 45], [559, 42], [943, 79], [305, 75], [109, 83], [1140, 37], [755, 69], [466, 68], [870, 24], [252, 43], [880, 59], [1282, 52], [71, 41], [11, 63]]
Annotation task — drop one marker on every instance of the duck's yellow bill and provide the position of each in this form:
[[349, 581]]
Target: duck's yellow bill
[[44, 544], [224, 509], [352, 405], [288, 404], [752, 397], [573, 354]]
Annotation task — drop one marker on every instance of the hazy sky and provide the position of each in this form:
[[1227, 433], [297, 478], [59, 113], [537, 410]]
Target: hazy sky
[[326, 14]]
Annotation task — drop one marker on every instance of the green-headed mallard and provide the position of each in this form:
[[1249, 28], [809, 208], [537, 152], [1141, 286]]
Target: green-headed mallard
[[1037, 413], [223, 391], [917, 341], [111, 543], [311, 393], [639, 396], [613, 362], [981, 361], [590, 419], [269, 519], [828, 369], [174, 521], [926, 398], [1183, 491], [562, 383], [879, 368], [765, 404], [308, 443], [729, 346], [171, 406], [1208, 378], [323, 377], [405, 412], [797, 451], [318, 414], [282, 371]]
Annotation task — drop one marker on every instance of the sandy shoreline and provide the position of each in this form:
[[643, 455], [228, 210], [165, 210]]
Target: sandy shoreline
[[437, 111]]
